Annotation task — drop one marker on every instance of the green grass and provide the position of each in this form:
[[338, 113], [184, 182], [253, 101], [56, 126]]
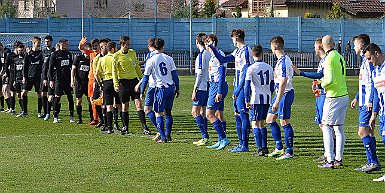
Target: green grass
[[38, 156]]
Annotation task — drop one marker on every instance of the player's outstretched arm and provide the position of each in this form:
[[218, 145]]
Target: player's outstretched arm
[[242, 82], [144, 84], [222, 59], [222, 78], [175, 79]]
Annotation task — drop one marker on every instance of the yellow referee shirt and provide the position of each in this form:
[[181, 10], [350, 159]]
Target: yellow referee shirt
[[125, 66], [105, 66]]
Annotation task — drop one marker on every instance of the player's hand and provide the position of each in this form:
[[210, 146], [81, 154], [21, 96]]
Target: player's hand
[[218, 98], [142, 97], [194, 95], [296, 70], [177, 93], [369, 107], [137, 87], [72, 84], [208, 41], [372, 122], [117, 89], [274, 108], [45, 82], [234, 97], [51, 84], [24, 80], [249, 106], [353, 103], [84, 40]]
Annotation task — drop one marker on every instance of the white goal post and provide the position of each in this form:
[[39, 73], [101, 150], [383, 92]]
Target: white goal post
[[7, 39]]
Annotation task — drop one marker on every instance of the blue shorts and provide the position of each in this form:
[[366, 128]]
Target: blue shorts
[[239, 103], [259, 112], [164, 99], [381, 119], [364, 117], [149, 100], [319, 106], [201, 98], [213, 90], [284, 110]]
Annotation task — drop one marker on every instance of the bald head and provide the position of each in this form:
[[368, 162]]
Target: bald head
[[327, 42]]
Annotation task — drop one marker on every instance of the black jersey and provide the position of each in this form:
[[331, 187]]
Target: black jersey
[[60, 66], [35, 61], [82, 64], [3, 56], [46, 52], [16, 65]]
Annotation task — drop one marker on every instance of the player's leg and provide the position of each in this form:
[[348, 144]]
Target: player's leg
[[245, 129], [271, 120], [71, 104], [284, 113], [159, 108], [148, 104], [258, 115], [92, 87], [79, 108], [39, 94], [169, 102], [109, 95], [7, 94], [50, 101], [2, 98], [13, 99], [141, 114]]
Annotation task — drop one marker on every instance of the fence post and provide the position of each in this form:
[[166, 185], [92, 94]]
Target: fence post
[[129, 27], [256, 30], [214, 25], [171, 32], [342, 32], [91, 28], [6, 25], [49, 25], [383, 33], [299, 34]]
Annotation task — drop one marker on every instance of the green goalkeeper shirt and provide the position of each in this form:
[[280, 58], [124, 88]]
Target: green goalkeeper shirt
[[334, 81]]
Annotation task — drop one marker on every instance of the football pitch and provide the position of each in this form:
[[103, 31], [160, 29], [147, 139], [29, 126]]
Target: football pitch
[[39, 156]]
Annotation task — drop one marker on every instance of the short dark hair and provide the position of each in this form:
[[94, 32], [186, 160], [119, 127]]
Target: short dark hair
[[104, 41], [16, 44], [36, 38], [213, 38], [257, 50], [63, 40], [364, 38], [372, 48], [239, 33], [21, 46], [319, 40], [95, 41], [111, 45], [123, 39], [151, 42], [88, 45], [278, 40], [158, 43], [200, 38], [48, 37]]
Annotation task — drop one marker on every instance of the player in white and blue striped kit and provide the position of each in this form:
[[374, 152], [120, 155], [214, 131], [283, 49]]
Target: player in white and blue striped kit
[[260, 84], [199, 94], [283, 99], [243, 58], [364, 98], [162, 68], [374, 55], [217, 94]]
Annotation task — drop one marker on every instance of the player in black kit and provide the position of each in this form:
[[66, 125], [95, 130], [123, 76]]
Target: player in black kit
[[48, 92], [59, 74], [5, 92]]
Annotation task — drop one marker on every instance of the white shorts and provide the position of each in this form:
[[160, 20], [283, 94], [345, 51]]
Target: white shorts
[[334, 110]]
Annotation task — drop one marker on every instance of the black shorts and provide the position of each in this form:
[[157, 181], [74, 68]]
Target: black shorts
[[18, 87], [32, 82], [4, 80], [42, 87], [81, 88], [127, 90], [97, 91], [63, 87], [109, 93], [50, 91]]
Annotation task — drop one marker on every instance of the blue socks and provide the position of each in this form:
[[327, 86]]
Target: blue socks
[[202, 126], [258, 137], [224, 126], [151, 116], [238, 127], [289, 138], [219, 128], [370, 150], [169, 122], [276, 133], [160, 127], [383, 138], [245, 129], [264, 137]]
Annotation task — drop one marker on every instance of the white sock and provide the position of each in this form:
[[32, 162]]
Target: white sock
[[340, 141], [328, 142]]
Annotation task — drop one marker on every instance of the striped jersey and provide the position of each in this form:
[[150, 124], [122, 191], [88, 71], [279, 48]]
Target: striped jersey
[[365, 82], [319, 69], [160, 66], [242, 56], [151, 81], [202, 70], [261, 76], [283, 69], [214, 65], [378, 75]]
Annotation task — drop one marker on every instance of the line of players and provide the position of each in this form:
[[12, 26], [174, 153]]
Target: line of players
[[53, 72]]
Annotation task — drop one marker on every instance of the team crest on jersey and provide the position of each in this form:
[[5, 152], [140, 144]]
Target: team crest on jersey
[[360, 77], [275, 75]]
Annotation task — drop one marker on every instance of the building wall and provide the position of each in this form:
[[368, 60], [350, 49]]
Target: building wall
[[244, 12], [300, 12]]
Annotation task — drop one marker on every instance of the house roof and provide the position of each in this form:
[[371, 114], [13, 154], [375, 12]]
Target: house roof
[[233, 3]]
